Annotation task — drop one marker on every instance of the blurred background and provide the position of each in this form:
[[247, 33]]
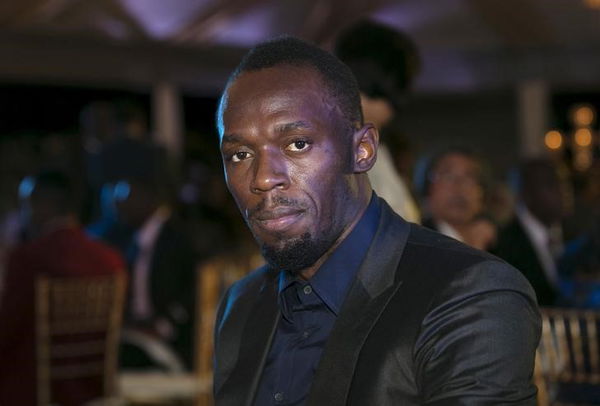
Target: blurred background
[[120, 96]]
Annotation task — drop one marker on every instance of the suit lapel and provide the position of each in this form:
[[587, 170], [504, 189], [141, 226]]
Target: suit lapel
[[375, 284], [258, 331]]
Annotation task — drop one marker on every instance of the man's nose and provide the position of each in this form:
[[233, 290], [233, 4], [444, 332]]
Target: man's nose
[[270, 172]]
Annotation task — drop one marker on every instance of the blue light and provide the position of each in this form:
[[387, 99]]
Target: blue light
[[121, 191], [26, 187]]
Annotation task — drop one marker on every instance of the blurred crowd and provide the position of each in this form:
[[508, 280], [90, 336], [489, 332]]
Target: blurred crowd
[[109, 199]]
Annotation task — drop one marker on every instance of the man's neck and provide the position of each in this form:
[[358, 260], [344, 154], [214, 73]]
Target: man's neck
[[462, 228], [308, 273], [57, 223]]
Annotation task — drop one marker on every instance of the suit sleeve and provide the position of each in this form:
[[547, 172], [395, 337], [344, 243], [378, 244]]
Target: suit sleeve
[[219, 317], [477, 343], [220, 364]]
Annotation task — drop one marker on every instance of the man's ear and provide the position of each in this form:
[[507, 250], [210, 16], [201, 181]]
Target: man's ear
[[365, 144]]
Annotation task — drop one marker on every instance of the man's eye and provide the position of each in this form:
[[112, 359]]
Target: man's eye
[[240, 156], [297, 146]]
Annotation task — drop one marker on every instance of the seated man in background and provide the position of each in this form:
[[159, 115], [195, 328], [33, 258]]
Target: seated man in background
[[532, 241], [453, 191], [162, 264], [57, 246]]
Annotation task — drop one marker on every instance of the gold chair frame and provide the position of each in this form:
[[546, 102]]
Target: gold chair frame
[[568, 351], [68, 307]]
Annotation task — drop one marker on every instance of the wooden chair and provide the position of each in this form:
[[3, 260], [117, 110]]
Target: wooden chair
[[77, 328], [213, 278], [568, 352]]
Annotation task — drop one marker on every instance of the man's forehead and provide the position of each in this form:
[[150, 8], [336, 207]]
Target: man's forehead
[[278, 90], [280, 78], [453, 160]]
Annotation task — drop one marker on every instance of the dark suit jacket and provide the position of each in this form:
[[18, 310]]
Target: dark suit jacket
[[427, 320], [513, 246], [172, 283], [173, 286], [429, 223], [67, 253]]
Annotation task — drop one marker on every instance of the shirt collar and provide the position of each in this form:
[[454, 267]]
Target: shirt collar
[[537, 231], [332, 281], [449, 231]]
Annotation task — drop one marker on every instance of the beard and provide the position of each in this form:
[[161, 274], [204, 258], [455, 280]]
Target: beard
[[297, 254], [294, 253]]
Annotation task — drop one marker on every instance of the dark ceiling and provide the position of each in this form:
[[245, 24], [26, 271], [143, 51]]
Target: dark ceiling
[[466, 44]]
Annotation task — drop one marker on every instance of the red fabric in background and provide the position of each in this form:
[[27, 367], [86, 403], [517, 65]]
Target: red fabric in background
[[67, 252]]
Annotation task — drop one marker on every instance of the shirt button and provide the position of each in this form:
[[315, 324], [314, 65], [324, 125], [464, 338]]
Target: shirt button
[[278, 396], [305, 334], [307, 290]]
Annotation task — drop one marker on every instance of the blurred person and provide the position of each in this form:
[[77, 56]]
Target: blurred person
[[401, 150], [579, 264], [223, 233], [582, 252], [10, 235], [532, 242], [116, 145], [385, 63], [454, 195], [586, 203], [500, 203], [56, 246], [131, 153], [107, 227], [97, 127], [162, 262], [355, 305]]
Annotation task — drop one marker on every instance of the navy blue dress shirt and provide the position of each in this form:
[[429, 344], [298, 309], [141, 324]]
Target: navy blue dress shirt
[[308, 311]]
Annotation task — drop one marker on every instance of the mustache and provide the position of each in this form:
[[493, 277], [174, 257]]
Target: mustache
[[273, 204]]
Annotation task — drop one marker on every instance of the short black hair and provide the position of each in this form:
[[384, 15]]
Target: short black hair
[[384, 61], [528, 172], [424, 179], [56, 189], [287, 50]]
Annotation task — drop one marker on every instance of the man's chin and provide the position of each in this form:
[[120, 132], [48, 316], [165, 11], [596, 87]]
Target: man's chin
[[294, 255]]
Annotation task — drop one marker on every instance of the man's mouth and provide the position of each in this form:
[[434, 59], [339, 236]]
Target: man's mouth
[[278, 219]]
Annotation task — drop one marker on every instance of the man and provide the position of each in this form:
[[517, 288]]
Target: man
[[162, 262], [532, 241], [385, 63], [356, 306], [57, 247], [453, 191]]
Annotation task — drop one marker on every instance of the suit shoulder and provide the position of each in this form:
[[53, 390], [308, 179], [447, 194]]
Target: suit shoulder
[[445, 259], [249, 283], [240, 293], [104, 254], [436, 242]]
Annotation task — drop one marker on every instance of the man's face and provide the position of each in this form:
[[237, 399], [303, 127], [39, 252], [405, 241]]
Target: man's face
[[455, 193], [288, 156]]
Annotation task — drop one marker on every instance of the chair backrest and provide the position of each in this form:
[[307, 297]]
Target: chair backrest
[[77, 328], [213, 278], [568, 349]]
